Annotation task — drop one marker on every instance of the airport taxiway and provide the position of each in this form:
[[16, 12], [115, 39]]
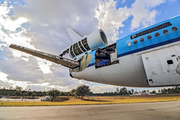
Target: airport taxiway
[[135, 111]]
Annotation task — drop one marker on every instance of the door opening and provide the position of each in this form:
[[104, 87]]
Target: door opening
[[106, 56]]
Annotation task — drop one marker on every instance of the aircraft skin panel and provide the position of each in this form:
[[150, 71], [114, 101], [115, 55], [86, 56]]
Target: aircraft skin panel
[[161, 65], [117, 74], [53, 58]]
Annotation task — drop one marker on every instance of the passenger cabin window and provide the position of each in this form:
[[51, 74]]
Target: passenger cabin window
[[141, 39], [165, 31], [174, 28], [149, 37], [157, 34], [129, 43], [135, 41]]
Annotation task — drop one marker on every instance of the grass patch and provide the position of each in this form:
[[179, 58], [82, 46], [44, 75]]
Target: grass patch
[[98, 100], [61, 99]]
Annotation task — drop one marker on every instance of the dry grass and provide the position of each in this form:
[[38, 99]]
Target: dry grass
[[99, 100]]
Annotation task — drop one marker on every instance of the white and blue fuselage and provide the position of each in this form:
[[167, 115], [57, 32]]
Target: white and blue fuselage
[[147, 58]]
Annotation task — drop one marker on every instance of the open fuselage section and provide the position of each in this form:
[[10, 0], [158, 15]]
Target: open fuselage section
[[146, 58]]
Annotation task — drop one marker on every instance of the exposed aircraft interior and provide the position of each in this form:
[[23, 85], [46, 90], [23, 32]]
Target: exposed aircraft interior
[[106, 56]]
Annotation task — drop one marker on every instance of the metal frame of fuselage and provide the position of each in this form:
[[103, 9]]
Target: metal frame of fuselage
[[130, 70]]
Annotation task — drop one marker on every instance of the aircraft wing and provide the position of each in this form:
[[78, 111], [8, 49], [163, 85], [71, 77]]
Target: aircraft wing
[[53, 58], [75, 36]]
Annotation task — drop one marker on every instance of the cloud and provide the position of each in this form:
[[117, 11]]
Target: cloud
[[47, 25], [18, 69], [4, 81], [48, 21], [123, 1], [143, 12], [5, 84], [110, 19], [46, 30]]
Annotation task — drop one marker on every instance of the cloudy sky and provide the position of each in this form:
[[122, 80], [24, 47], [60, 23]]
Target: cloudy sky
[[41, 25]]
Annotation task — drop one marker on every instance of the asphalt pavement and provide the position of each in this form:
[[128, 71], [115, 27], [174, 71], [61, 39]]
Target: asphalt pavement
[[135, 111]]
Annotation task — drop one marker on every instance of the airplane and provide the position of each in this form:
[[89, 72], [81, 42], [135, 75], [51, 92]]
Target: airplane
[[146, 58]]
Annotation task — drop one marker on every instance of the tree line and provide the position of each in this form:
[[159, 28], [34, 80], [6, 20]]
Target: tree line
[[80, 92], [18, 91]]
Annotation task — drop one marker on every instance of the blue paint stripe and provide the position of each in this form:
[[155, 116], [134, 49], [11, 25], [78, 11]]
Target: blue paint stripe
[[91, 64], [150, 47]]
